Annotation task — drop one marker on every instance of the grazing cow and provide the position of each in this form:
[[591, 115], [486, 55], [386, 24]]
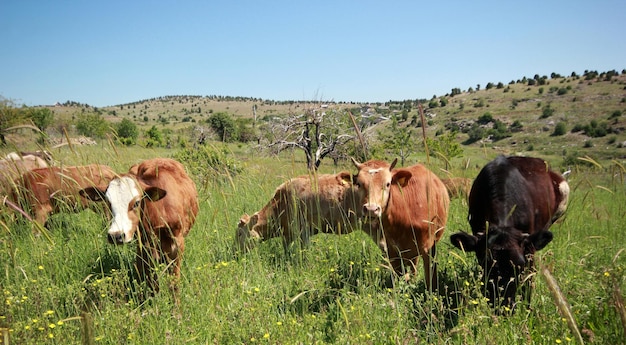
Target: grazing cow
[[159, 200], [411, 206], [301, 207], [43, 191], [457, 186], [512, 204], [14, 165]]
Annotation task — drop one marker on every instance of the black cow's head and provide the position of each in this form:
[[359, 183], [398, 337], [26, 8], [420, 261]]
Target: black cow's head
[[503, 253]]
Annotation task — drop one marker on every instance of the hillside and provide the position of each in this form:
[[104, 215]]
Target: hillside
[[515, 117]]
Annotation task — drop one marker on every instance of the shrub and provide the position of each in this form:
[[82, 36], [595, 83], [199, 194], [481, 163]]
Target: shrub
[[208, 163], [485, 118], [559, 129]]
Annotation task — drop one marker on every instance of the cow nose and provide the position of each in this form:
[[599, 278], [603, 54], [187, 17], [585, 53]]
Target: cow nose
[[117, 238], [372, 210]]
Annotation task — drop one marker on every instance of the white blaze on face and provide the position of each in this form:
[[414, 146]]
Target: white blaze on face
[[121, 193]]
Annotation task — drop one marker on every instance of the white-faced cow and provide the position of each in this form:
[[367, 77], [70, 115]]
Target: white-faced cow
[[512, 204], [301, 207], [44, 191], [411, 207], [158, 200]]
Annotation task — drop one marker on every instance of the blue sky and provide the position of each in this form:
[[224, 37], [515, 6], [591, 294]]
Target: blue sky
[[113, 52]]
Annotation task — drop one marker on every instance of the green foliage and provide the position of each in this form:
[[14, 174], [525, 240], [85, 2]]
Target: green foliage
[[516, 126], [92, 125], [547, 111], [475, 133], [445, 147], [397, 141], [127, 132], [223, 125], [41, 117], [559, 129], [207, 163], [485, 118], [499, 131], [593, 129], [154, 137]]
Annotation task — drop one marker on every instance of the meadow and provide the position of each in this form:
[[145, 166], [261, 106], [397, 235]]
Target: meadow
[[74, 287]]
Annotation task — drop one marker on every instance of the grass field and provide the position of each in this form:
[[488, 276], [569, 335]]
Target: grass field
[[336, 290]]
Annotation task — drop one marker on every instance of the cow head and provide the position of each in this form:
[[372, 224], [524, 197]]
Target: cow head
[[126, 197], [373, 182], [245, 232], [503, 253]]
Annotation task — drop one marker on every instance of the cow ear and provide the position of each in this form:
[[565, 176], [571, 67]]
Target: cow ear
[[540, 239], [401, 177], [154, 193], [92, 193], [344, 177], [464, 241]]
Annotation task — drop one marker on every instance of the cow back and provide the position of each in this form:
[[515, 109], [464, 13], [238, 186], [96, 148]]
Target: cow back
[[177, 211]]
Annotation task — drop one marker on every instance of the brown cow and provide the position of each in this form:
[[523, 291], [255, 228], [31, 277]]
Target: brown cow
[[43, 191], [458, 187], [512, 204], [411, 205], [301, 207], [159, 200]]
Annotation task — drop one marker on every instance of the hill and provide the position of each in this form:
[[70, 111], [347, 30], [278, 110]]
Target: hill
[[574, 116]]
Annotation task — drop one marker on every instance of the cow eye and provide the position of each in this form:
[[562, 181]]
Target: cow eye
[[388, 184], [136, 204]]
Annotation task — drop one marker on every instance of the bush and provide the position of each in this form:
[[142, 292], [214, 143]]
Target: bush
[[559, 129], [208, 163], [127, 132]]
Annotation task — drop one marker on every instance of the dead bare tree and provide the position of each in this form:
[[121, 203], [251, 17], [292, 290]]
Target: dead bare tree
[[318, 132]]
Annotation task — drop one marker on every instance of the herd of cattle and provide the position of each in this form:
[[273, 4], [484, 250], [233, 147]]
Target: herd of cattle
[[512, 204]]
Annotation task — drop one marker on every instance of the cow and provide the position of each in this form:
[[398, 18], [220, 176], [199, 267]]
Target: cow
[[157, 199], [301, 207], [43, 191], [458, 187], [512, 204], [15, 164], [410, 206]]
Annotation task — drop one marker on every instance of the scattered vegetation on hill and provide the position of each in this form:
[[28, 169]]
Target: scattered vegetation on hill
[[554, 115]]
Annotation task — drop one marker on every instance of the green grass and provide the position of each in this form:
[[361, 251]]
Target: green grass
[[336, 290]]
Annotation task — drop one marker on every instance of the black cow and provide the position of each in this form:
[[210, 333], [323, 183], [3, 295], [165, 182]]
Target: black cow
[[512, 204]]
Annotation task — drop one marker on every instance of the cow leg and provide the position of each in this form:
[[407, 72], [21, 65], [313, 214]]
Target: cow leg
[[42, 213]]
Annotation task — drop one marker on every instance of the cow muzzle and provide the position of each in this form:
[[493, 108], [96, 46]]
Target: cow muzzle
[[372, 210], [117, 238]]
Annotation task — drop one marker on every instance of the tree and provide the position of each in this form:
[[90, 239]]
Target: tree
[[317, 132], [127, 132], [445, 147], [223, 125], [42, 117], [397, 140], [92, 125], [10, 117]]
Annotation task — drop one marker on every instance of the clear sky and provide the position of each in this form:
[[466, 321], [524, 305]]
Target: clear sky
[[113, 52]]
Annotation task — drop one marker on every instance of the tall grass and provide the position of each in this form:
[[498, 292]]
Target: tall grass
[[338, 289]]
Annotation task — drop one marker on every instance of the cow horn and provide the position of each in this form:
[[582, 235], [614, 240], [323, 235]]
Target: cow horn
[[393, 164], [356, 163], [525, 235]]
